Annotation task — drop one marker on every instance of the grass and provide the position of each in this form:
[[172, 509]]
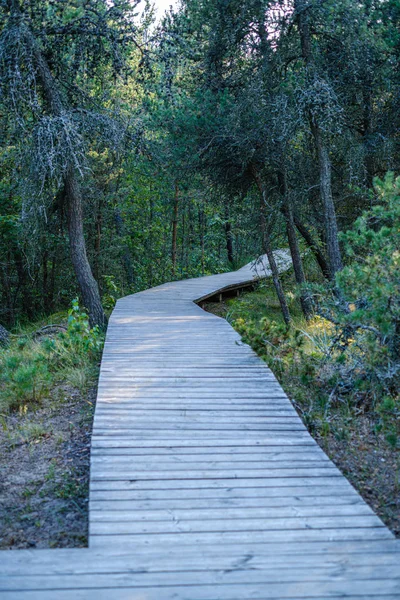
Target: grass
[[47, 392], [31, 368]]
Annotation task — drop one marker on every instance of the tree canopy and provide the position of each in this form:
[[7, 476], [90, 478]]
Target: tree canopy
[[134, 152]]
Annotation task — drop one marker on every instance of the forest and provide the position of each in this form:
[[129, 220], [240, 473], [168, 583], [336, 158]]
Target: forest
[[137, 150]]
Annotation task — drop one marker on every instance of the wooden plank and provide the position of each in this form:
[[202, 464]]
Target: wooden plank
[[230, 484], [317, 487], [228, 556], [279, 440], [282, 502], [235, 577], [331, 591], [102, 472], [175, 463], [131, 542], [245, 524], [227, 513]]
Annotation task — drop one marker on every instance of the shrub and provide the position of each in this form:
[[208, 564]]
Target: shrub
[[365, 345], [28, 367], [367, 328]]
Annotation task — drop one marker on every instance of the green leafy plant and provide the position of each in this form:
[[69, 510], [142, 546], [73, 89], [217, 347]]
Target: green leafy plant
[[79, 335], [112, 292]]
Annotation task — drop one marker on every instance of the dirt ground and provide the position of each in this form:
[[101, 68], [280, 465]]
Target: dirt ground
[[44, 472], [371, 466]]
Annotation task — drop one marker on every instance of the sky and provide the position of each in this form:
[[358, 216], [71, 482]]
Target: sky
[[163, 5]]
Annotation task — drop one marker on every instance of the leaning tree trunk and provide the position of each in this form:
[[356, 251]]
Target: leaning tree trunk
[[305, 301], [268, 250], [331, 228], [276, 279], [87, 283], [4, 336]]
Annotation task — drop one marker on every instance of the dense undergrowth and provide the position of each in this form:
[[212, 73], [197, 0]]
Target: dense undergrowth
[[48, 378], [38, 359]]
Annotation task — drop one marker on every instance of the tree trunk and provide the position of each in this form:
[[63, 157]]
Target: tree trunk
[[126, 255], [367, 131], [50, 293], [183, 239], [4, 336], [97, 245], [175, 228], [314, 247], [305, 301], [325, 176], [201, 225], [24, 284], [276, 279], [331, 228], [268, 249], [87, 283], [8, 299], [45, 278], [228, 235]]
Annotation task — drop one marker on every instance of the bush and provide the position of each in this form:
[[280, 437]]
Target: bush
[[276, 343], [29, 367], [365, 346], [367, 328]]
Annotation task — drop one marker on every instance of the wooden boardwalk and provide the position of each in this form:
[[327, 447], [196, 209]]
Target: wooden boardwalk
[[205, 485]]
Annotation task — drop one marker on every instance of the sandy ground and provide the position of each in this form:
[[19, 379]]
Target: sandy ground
[[44, 472]]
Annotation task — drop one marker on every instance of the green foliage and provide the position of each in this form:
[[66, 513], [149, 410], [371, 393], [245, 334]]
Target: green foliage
[[80, 337], [364, 344], [112, 292], [388, 410], [365, 340], [30, 367], [372, 279], [24, 378], [276, 343]]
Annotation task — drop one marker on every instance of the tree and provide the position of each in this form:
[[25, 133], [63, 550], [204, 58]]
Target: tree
[[302, 15], [50, 56], [4, 336]]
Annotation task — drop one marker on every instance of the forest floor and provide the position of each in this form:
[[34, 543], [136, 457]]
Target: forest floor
[[47, 399], [351, 435], [44, 466]]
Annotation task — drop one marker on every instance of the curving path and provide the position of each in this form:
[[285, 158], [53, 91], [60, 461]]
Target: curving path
[[205, 485]]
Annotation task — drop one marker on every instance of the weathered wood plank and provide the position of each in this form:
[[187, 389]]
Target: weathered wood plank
[[239, 576], [76, 561], [196, 505]]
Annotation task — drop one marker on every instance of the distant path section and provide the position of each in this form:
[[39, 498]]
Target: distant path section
[[205, 484]]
